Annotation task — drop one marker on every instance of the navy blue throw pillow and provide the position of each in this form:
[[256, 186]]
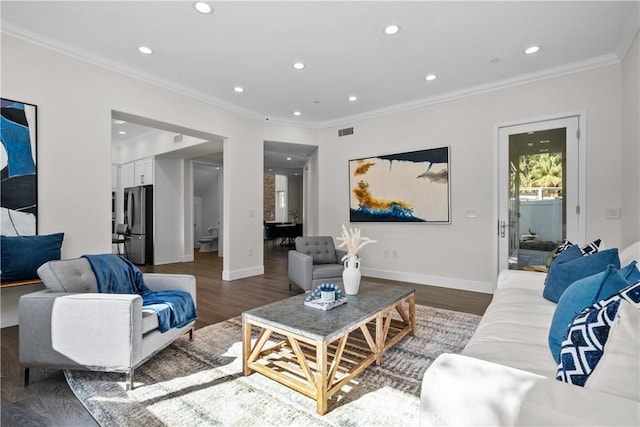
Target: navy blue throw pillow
[[22, 255]]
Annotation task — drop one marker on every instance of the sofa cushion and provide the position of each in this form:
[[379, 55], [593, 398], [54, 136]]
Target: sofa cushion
[[565, 270], [327, 271], [321, 249], [514, 331], [584, 293], [601, 348], [149, 321], [22, 255], [71, 275]]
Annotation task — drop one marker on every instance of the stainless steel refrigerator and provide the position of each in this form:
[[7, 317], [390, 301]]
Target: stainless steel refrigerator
[[138, 215]]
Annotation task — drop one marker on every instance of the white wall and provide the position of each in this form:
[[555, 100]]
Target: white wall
[[75, 155], [461, 254], [168, 214], [294, 194], [631, 145], [75, 100], [282, 211]]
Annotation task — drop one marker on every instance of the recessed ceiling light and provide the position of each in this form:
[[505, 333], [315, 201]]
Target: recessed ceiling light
[[391, 29], [238, 89], [119, 122], [430, 77], [145, 49], [531, 50], [298, 66], [288, 158], [297, 113], [203, 7], [122, 132], [353, 98]]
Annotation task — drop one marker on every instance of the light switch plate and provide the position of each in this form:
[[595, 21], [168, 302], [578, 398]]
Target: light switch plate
[[612, 213], [471, 213]]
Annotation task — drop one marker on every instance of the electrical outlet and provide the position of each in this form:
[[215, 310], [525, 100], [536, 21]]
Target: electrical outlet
[[612, 213], [394, 254], [250, 251], [386, 254]]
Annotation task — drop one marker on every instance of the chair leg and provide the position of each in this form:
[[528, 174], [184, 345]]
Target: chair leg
[[129, 379], [191, 334], [26, 377]]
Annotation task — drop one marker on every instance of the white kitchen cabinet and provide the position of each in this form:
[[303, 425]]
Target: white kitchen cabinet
[[143, 171], [126, 175]]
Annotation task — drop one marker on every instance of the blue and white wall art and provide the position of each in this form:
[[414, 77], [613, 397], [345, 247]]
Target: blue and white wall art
[[404, 187], [18, 174]]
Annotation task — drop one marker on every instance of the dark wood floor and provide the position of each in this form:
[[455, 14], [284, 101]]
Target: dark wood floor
[[48, 401]]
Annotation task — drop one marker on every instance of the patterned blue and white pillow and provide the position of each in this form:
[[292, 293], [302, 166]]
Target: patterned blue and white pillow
[[585, 341], [589, 249]]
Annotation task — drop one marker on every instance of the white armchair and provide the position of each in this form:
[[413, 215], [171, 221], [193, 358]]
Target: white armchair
[[70, 325]]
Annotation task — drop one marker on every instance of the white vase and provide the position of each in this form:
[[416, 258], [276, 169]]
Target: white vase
[[351, 275]]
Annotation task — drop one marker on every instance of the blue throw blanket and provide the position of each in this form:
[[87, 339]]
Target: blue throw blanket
[[118, 275]]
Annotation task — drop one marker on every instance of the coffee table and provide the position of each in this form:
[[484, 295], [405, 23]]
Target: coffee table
[[316, 352]]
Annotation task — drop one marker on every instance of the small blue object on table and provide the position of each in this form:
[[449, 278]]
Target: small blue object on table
[[325, 297]]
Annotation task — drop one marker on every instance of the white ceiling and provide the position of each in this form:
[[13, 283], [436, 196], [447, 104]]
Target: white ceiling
[[471, 46]]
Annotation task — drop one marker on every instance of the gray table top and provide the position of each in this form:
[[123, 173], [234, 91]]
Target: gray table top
[[293, 316]]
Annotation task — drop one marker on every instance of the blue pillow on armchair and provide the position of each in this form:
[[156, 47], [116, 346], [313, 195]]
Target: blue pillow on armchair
[[584, 293], [22, 255], [566, 269]]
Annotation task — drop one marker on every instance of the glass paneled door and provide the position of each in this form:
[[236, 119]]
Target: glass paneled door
[[538, 191]]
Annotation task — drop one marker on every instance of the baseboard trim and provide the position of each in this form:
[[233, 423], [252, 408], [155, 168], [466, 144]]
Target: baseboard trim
[[187, 258], [425, 279], [241, 274]]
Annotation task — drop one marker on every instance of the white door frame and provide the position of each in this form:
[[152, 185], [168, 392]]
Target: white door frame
[[582, 175]]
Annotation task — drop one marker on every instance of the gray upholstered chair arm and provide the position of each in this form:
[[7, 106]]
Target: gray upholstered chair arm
[[34, 311], [98, 330], [339, 255], [300, 269], [171, 282]]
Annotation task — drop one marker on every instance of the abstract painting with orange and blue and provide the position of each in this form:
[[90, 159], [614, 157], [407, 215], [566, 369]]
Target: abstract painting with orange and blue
[[403, 187]]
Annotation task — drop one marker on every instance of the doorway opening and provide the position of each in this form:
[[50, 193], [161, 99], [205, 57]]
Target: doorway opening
[[157, 155], [286, 179]]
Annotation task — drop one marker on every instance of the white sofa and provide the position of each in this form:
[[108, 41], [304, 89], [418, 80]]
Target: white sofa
[[506, 374]]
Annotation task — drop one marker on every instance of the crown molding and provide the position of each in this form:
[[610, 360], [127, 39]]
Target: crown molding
[[592, 63], [575, 67], [629, 33], [119, 68]]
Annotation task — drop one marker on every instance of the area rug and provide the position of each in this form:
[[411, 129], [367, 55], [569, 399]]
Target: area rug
[[200, 383]]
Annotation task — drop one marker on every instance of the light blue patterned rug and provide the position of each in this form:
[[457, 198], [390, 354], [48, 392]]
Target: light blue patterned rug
[[200, 383]]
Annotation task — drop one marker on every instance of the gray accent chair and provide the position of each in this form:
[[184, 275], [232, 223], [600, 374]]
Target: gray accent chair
[[72, 326], [315, 260]]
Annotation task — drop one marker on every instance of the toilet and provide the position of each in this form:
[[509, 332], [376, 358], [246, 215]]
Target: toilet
[[209, 242]]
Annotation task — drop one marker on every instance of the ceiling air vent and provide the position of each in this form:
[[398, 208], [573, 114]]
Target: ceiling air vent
[[177, 138], [345, 131]]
